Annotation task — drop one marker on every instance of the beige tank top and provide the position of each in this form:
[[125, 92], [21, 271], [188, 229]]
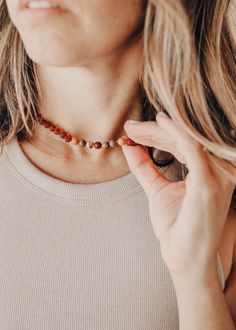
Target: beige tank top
[[77, 256]]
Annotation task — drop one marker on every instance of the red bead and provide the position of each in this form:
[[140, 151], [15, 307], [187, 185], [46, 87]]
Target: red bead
[[97, 145], [68, 138], [57, 131], [63, 134], [130, 142], [47, 124], [52, 128]]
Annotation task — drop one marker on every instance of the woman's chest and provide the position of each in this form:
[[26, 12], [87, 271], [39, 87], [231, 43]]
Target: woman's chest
[[83, 267], [83, 270]]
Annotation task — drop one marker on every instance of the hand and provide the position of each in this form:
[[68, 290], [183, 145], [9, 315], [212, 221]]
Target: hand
[[187, 216]]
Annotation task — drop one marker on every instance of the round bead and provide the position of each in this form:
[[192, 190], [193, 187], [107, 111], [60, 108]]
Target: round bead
[[68, 138], [89, 144], [121, 141], [57, 130], [105, 145], [52, 127], [74, 141], [82, 143], [47, 124], [97, 145], [112, 143], [63, 134], [130, 142]]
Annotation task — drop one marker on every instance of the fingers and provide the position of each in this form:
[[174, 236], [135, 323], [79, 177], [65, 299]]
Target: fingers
[[149, 134], [141, 164], [166, 135], [193, 153]]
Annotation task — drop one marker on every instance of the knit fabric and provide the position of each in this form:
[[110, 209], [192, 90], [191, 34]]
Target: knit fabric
[[79, 256]]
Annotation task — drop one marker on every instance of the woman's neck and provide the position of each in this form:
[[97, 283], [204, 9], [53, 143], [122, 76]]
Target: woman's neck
[[92, 103]]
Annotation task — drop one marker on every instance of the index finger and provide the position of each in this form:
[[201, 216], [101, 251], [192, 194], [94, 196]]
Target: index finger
[[192, 151]]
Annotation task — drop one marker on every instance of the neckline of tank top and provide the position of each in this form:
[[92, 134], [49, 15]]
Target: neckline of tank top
[[55, 188]]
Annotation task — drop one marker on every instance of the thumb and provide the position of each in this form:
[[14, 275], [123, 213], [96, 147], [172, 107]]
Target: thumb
[[142, 166]]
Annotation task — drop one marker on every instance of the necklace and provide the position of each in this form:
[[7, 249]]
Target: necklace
[[69, 138]]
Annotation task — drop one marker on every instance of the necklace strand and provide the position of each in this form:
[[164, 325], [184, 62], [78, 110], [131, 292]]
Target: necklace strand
[[70, 138]]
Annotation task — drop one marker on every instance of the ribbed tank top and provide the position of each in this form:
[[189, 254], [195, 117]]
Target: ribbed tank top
[[79, 256]]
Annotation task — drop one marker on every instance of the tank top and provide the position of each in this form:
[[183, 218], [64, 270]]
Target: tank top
[[79, 256]]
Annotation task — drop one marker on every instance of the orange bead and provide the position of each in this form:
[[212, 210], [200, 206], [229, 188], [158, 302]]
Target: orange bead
[[130, 142]]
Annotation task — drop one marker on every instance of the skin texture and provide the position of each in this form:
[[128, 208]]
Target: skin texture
[[89, 74], [84, 21]]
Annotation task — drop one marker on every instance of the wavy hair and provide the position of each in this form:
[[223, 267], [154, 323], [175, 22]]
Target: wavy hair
[[188, 71]]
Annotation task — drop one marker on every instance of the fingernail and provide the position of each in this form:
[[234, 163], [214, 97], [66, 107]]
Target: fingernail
[[131, 121]]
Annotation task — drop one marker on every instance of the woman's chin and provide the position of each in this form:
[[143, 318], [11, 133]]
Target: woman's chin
[[51, 57]]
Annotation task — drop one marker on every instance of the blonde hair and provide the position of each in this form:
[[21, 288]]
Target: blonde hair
[[188, 70]]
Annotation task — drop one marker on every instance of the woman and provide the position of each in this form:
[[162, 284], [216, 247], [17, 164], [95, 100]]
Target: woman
[[107, 224]]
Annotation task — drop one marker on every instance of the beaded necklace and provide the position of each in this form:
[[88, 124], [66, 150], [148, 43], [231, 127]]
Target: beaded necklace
[[69, 138]]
